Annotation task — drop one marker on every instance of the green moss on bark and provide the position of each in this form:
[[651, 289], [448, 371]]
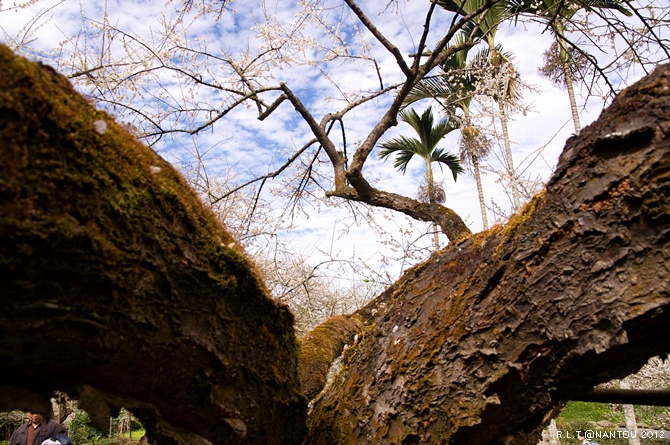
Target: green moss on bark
[[100, 234], [320, 347]]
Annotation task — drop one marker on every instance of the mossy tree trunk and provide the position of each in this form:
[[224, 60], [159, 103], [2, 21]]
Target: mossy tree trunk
[[484, 341], [119, 288]]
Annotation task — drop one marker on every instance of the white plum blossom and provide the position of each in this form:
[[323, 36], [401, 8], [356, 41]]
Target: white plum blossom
[[100, 126]]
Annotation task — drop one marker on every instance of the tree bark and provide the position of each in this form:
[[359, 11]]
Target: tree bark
[[118, 287], [480, 343]]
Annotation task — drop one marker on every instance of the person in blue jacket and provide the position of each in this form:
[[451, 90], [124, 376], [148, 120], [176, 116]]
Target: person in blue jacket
[[583, 439], [36, 430]]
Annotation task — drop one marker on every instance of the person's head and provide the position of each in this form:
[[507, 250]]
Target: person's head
[[36, 418], [580, 436]]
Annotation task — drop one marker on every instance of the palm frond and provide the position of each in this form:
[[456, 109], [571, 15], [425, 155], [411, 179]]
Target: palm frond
[[421, 124], [487, 22], [549, 9], [458, 60], [404, 148], [448, 159], [402, 160], [430, 134], [617, 5], [428, 88], [451, 5], [438, 132], [453, 88]]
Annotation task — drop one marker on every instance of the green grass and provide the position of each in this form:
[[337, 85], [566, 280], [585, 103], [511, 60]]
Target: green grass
[[584, 416], [584, 411]]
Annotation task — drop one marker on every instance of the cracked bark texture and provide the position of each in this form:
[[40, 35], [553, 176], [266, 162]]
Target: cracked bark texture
[[482, 342]]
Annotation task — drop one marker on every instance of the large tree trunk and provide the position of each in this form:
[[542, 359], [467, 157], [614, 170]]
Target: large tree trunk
[[483, 341], [119, 288]]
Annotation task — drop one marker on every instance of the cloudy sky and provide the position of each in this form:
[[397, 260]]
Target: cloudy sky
[[131, 35]]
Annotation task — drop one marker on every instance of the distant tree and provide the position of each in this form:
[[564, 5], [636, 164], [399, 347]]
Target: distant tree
[[314, 290], [454, 89], [425, 146], [498, 78], [558, 14]]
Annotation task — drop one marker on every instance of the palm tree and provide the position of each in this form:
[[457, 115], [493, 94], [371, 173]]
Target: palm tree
[[507, 85], [425, 147], [454, 90], [474, 146], [557, 14], [504, 87]]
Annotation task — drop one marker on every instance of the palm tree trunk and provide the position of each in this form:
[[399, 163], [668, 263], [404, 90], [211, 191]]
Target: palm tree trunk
[[436, 235], [508, 155], [564, 57], [480, 189], [431, 198], [571, 95]]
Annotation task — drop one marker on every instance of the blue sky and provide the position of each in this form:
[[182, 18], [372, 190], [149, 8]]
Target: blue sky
[[242, 145]]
